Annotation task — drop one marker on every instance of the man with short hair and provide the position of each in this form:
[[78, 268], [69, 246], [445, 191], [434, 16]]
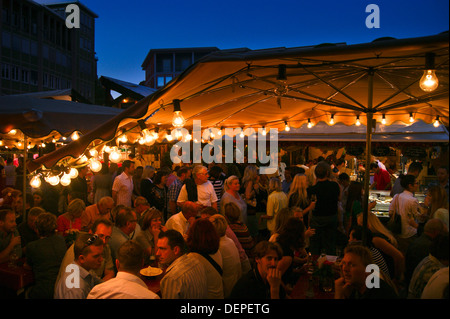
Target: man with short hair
[[175, 188], [415, 168], [10, 240], [123, 230], [140, 206], [185, 276], [381, 178], [27, 229], [352, 283], [102, 209], [442, 177], [127, 284], [183, 220], [122, 189], [103, 229], [77, 281], [264, 281], [198, 189]]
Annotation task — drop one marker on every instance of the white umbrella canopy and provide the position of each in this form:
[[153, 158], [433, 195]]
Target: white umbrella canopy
[[255, 88]]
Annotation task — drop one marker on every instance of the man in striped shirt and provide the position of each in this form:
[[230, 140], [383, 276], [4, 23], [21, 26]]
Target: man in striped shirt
[[185, 276]]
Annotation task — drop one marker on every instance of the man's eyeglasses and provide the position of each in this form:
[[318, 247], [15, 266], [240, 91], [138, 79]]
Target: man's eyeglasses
[[91, 240]]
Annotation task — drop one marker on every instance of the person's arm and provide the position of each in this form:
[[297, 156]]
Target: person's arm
[[4, 254], [284, 263], [274, 280], [387, 248]]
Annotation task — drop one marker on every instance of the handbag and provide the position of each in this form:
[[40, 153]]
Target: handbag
[[395, 222]]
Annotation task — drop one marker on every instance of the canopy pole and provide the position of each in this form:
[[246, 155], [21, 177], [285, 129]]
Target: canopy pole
[[24, 194], [369, 115]]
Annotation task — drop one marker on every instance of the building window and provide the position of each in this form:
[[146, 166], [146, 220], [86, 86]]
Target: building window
[[182, 61], [6, 71], [15, 74], [6, 39], [33, 77], [25, 76]]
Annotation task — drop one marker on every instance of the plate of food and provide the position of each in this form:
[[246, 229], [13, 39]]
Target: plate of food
[[151, 271]]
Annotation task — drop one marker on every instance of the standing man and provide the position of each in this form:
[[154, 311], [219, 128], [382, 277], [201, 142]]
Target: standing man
[[381, 178], [442, 177], [175, 188], [198, 189], [185, 276], [77, 281], [122, 189], [415, 168], [264, 282]]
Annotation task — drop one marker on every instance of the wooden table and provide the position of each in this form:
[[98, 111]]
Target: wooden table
[[16, 278], [153, 283], [301, 287]]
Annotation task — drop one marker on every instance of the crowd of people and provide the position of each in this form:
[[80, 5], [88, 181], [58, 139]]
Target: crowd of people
[[225, 231]]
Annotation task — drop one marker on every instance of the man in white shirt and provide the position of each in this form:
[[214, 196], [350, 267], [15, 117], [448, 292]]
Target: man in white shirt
[[182, 221], [199, 190], [122, 189], [127, 284]]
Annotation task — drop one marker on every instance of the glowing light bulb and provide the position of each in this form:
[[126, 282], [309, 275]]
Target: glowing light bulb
[[429, 81], [383, 120], [93, 152], [411, 118], [73, 173], [53, 180], [242, 135], [309, 123], [264, 131], [35, 182], [75, 136], [65, 180], [95, 165], [123, 139], [358, 123], [287, 128], [436, 122], [332, 119], [178, 120], [115, 156], [169, 137]]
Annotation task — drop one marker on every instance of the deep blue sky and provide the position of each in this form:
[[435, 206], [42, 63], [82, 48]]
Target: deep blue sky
[[127, 30]]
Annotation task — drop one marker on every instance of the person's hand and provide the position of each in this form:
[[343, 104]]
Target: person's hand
[[342, 289], [274, 277], [310, 232], [15, 240], [372, 205]]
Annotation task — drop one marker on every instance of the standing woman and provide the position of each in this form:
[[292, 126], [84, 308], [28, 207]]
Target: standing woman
[[276, 201], [298, 196], [248, 191], [231, 195]]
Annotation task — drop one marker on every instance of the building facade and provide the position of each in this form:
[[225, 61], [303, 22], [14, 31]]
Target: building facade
[[163, 65], [38, 52]]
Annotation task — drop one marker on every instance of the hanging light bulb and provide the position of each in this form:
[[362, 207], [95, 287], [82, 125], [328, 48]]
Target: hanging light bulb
[[43, 144], [358, 123], [53, 180], [73, 172], [411, 118], [436, 121], [178, 120], [95, 165], [242, 135], [93, 152], [220, 132], [65, 180], [75, 136], [12, 132], [107, 149], [332, 119], [53, 140], [264, 131], [123, 139], [115, 155], [383, 120], [169, 137], [287, 128], [35, 182], [19, 144], [429, 81], [309, 123]]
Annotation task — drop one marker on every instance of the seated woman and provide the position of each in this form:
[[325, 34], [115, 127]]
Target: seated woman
[[69, 223], [233, 213], [147, 237]]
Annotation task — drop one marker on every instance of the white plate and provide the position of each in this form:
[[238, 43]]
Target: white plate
[[151, 271]]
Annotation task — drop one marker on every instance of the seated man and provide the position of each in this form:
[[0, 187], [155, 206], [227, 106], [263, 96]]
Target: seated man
[[182, 220], [353, 281], [127, 284], [185, 276], [93, 212], [76, 282], [103, 228], [264, 282]]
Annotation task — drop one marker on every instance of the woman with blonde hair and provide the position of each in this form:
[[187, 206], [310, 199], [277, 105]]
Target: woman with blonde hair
[[231, 194], [276, 201], [298, 196], [385, 242], [249, 190], [148, 236]]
